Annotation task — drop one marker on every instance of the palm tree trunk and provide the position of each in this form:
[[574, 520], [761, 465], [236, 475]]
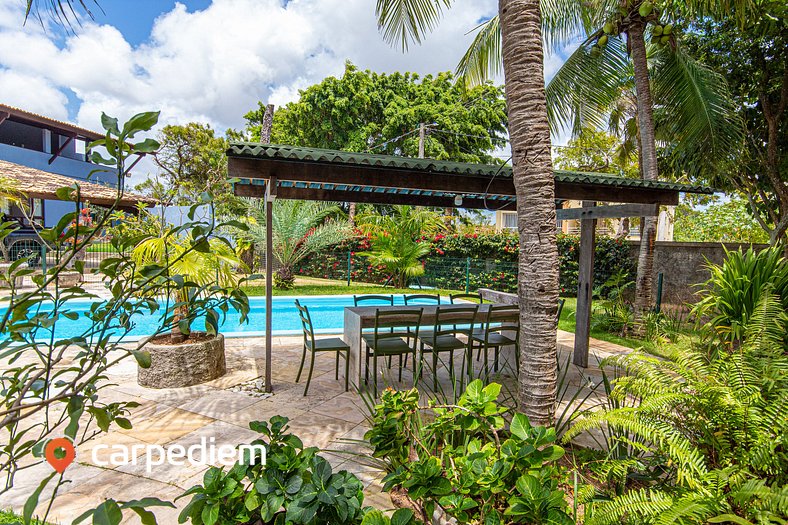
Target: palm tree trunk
[[535, 187], [644, 288]]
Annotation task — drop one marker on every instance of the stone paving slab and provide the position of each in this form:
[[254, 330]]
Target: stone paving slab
[[328, 417]]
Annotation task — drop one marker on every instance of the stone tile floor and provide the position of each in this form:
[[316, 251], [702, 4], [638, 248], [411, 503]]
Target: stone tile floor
[[328, 418]]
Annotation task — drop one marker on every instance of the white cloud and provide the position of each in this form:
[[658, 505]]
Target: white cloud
[[212, 65]]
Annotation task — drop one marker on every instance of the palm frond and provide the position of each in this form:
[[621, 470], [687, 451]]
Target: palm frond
[[585, 88], [695, 113], [406, 21], [482, 60]]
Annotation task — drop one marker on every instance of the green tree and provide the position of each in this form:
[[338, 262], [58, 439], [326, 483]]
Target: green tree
[[597, 151], [377, 112], [754, 61], [404, 21], [398, 239], [300, 229], [729, 221], [192, 161]]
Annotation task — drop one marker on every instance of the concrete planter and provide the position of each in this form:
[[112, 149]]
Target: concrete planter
[[186, 364]]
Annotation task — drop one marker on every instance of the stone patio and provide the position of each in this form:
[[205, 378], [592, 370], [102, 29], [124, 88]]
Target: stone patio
[[328, 418]]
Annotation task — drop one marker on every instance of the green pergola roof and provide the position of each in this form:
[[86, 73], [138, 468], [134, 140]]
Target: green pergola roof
[[250, 150]]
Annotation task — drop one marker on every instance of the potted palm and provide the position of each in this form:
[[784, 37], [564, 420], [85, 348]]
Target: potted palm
[[193, 272]]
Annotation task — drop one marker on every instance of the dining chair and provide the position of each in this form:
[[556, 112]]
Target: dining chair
[[395, 334], [444, 338], [387, 300], [466, 297], [313, 346], [499, 320], [421, 298]]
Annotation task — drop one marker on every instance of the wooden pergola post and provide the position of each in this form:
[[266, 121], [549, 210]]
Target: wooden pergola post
[[585, 286], [270, 195]]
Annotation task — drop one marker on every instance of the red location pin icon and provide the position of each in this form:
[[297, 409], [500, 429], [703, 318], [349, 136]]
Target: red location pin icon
[[59, 460]]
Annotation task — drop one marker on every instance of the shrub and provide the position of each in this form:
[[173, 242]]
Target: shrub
[[493, 262], [465, 460], [736, 287], [294, 486], [709, 435]]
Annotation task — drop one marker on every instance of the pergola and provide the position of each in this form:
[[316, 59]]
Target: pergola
[[287, 172]]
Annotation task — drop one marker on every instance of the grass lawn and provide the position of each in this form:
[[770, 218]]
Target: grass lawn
[[8, 517], [315, 286]]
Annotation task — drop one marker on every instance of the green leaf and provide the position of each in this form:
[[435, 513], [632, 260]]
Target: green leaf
[[143, 358], [402, 517], [107, 513], [147, 146], [520, 426], [729, 518], [110, 124], [32, 501], [210, 514], [140, 122]]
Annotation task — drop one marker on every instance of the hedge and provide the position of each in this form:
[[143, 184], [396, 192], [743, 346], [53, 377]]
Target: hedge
[[493, 262]]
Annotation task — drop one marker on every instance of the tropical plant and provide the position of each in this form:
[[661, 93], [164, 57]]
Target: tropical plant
[[207, 265], [608, 78], [753, 59], [710, 432], [299, 228], [53, 374], [10, 195], [463, 459], [289, 484], [398, 239], [522, 56], [736, 287]]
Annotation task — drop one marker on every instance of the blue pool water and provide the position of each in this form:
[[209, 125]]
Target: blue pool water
[[327, 312]]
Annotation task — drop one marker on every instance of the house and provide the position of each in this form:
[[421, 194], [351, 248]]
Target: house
[[51, 146], [41, 155]]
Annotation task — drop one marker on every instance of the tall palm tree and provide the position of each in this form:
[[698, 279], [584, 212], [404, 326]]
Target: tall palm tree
[[299, 228], [521, 47], [398, 239], [593, 82]]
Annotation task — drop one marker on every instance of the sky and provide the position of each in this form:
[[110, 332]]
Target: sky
[[208, 61]]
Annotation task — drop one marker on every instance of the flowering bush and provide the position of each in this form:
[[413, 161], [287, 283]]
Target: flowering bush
[[493, 262]]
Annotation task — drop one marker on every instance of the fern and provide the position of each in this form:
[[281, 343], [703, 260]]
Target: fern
[[709, 435]]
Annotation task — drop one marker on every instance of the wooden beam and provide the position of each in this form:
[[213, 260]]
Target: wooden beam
[[368, 176], [585, 283], [608, 212], [383, 177], [61, 148], [3, 116], [604, 193], [369, 197]]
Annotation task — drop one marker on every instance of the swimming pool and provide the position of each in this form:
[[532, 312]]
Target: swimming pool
[[327, 312]]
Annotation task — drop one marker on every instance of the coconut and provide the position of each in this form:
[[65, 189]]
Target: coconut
[[602, 42], [607, 28], [646, 8], [668, 29], [664, 39], [596, 51], [657, 31]]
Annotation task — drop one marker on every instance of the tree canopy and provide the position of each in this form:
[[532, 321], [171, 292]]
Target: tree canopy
[[192, 161], [380, 113], [754, 61]]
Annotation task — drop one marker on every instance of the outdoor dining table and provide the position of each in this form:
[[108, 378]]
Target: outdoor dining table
[[358, 318]]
